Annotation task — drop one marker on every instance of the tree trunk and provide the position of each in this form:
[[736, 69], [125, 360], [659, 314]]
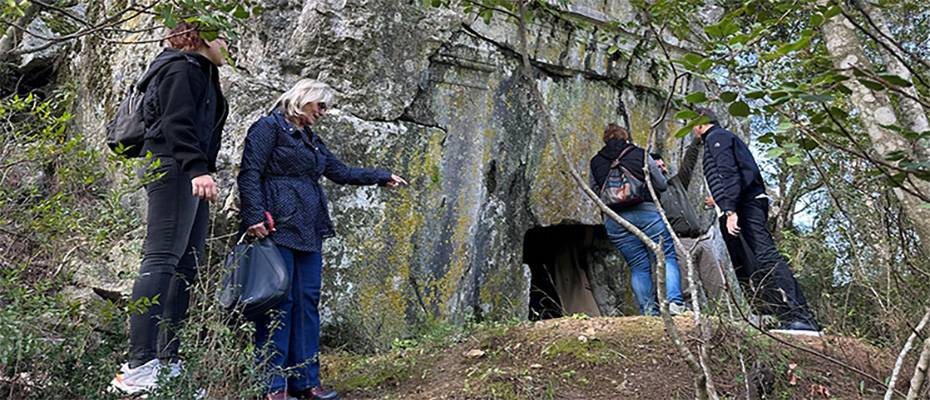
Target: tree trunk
[[875, 110], [13, 36], [910, 111]]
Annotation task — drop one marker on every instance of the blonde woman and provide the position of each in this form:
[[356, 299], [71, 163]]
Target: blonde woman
[[281, 196]]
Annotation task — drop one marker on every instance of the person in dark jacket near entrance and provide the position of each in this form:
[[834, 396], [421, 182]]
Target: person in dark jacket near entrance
[[685, 222], [279, 188], [737, 187], [645, 216], [184, 111]]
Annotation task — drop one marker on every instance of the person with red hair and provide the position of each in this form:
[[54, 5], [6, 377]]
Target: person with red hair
[[184, 111]]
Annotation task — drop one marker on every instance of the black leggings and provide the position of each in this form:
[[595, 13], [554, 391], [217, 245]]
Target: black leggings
[[174, 244]]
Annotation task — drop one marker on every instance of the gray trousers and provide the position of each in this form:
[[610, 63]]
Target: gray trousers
[[705, 267]]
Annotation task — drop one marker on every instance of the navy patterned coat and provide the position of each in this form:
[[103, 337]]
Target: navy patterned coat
[[280, 173]]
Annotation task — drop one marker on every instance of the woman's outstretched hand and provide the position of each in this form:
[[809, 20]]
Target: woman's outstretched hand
[[396, 181]]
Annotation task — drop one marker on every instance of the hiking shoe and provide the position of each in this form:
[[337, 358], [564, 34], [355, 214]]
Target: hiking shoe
[[677, 309], [133, 381], [317, 393]]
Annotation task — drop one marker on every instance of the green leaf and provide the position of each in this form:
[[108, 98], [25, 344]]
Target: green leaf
[[486, 15], [777, 95], [784, 126], [722, 29], [696, 97], [686, 114], [167, 17], [832, 12], [801, 43], [808, 144], [739, 109], [705, 65], [793, 160], [816, 98], [683, 131], [756, 95], [816, 19], [692, 59], [209, 35], [895, 80], [241, 12], [925, 206], [775, 152], [727, 97], [872, 84]]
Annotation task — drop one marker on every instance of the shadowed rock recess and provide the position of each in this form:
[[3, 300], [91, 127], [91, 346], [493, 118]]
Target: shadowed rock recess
[[435, 97]]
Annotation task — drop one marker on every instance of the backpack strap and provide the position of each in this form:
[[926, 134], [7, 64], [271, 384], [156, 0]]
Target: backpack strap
[[622, 153]]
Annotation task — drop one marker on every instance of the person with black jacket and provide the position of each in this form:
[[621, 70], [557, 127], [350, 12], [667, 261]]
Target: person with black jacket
[[645, 216], [687, 225], [184, 110], [738, 190]]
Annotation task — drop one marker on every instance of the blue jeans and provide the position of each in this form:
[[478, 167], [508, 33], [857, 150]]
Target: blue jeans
[[288, 338], [640, 259]]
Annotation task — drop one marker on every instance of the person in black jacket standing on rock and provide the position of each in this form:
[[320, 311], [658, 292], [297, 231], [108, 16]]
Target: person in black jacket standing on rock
[[184, 110], [737, 187], [687, 225]]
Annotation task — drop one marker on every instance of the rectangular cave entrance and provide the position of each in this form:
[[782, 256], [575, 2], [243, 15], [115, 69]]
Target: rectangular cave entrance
[[559, 259]]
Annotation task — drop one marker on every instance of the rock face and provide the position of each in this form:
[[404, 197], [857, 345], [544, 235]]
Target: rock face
[[434, 96]]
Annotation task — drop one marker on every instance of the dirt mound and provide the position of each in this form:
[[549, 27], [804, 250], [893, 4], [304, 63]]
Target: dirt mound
[[609, 358]]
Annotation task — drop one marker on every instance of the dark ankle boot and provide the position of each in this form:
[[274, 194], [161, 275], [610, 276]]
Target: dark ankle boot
[[276, 396], [317, 393]]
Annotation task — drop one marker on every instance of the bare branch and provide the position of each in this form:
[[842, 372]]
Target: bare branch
[[920, 372], [904, 350]]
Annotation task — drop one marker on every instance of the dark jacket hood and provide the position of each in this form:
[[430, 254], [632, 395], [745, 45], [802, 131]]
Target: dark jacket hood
[[612, 149], [167, 56]]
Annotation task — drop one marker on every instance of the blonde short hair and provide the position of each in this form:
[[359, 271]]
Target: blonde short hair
[[306, 91]]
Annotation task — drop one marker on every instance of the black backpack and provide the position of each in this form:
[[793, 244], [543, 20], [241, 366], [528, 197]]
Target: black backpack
[[126, 131]]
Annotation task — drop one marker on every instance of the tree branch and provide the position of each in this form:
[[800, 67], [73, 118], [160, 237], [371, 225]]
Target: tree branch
[[904, 350]]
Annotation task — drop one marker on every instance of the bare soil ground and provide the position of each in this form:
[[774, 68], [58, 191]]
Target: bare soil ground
[[609, 358]]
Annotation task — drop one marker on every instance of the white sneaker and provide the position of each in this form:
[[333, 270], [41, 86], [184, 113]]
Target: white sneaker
[[677, 309], [133, 381], [174, 370]]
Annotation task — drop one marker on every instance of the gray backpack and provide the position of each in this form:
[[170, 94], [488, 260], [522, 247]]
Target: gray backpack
[[621, 187]]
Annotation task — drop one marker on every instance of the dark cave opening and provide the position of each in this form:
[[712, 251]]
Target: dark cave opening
[[558, 258]]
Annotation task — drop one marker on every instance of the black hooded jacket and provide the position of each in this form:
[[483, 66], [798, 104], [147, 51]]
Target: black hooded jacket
[[185, 110], [731, 171]]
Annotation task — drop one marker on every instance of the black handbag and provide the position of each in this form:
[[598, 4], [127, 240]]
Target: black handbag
[[256, 278]]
